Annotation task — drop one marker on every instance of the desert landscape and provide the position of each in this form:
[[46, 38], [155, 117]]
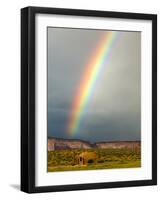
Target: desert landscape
[[75, 154]]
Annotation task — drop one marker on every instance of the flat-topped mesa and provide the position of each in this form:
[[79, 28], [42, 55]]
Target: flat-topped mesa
[[119, 144], [65, 144]]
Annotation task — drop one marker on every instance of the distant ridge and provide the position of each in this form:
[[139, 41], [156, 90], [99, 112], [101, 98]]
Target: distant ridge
[[64, 144]]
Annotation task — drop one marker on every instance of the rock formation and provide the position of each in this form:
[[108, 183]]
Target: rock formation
[[64, 144]]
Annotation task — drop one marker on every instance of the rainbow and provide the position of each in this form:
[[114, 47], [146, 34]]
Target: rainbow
[[86, 86]]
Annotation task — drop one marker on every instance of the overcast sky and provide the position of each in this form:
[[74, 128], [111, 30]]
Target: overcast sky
[[113, 111]]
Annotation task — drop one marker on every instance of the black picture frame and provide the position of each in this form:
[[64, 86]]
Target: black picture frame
[[28, 98]]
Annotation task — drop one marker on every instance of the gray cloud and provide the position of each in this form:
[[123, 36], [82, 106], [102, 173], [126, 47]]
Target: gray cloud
[[113, 111]]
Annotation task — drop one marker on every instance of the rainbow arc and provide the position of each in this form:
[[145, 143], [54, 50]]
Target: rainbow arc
[[92, 71]]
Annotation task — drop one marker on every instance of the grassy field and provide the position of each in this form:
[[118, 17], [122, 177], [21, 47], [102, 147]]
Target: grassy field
[[65, 160]]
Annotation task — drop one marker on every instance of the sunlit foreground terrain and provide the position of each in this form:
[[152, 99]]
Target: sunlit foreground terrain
[[91, 159]]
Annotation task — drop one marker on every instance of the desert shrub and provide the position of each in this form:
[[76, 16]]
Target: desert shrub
[[100, 161], [107, 158]]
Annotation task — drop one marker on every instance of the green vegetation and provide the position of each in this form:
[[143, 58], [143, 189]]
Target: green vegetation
[[66, 160]]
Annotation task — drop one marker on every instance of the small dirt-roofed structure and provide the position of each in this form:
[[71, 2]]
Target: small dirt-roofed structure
[[86, 158]]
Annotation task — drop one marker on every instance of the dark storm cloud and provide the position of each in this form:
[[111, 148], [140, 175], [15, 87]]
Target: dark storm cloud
[[113, 112]]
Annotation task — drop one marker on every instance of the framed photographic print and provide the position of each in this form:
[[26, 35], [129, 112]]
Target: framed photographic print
[[88, 99]]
